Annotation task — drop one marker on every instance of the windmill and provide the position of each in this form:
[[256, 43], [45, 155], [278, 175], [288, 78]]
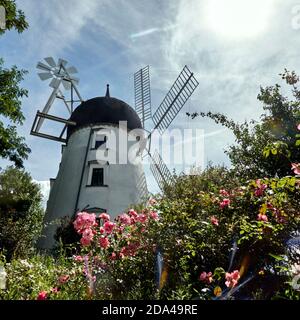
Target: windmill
[[61, 78], [85, 180], [173, 102]]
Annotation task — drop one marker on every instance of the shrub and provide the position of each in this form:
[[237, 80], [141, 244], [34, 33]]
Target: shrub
[[21, 213]]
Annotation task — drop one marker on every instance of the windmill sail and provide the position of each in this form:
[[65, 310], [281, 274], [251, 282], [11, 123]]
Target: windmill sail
[[180, 92], [142, 187], [160, 171], [142, 94]]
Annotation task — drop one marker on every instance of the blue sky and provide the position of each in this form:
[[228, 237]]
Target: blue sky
[[233, 46]]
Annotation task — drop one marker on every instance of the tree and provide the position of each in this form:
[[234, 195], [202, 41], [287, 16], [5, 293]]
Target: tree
[[269, 147], [21, 213], [15, 19], [12, 146]]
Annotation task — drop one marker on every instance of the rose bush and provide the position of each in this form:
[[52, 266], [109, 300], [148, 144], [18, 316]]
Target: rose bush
[[218, 243]]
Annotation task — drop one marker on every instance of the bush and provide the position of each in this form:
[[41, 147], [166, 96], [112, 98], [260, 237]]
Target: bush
[[242, 229], [21, 213]]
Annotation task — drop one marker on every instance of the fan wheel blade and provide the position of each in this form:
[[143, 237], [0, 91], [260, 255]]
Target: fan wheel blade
[[45, 75], [62, 62], [43, 66], [54, 83], [71, 70], [50, 61], [67, 84]]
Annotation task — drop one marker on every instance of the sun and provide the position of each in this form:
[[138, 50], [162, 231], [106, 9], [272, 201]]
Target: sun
[[238, 19]]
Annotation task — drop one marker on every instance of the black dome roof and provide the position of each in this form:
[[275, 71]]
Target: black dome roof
[[103, 110]]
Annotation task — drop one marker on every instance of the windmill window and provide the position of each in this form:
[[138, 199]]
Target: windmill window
[[99, 141], [97, 177]]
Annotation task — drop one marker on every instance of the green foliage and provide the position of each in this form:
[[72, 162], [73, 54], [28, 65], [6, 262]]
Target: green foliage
[[266, 148], [12, 146], [222, 233], [15, 19], [193, 244], [28, 277], [21, 214]]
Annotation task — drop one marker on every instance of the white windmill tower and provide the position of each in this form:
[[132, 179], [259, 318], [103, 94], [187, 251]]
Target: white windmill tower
[[96, 181]]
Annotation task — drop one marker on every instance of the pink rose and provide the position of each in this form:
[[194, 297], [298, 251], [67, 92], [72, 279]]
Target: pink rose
[[55, 290], [152, 202], [206, 277], [298, 126], [113, 256], [84, 221], [262, 217], [142, 218], [108, 227], [125, 219], [261, 187], [296, 168], [42, 295], [78, 258], [104, 242], [224, 193], [224, 203], [133, 213], [232, 278], [87, 237], [104, 216], [214, 221], [63, 279], [102, 230], [154, 215]]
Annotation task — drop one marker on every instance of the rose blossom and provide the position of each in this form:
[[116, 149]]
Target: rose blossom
[[78, 258], [104, 242], [133, 213], [224, 193], [224, 203], [42, 295], [152, 202], [84, 221], [142, 218], [104, 217], [102, 230], [261, 187], [262, 217], [63, 279], [125, 219], [113, 256], [296, 168], [232, 278], [108, 227], [206, 277], [87, 237], [55, 290], [154, 215], [214, 221]]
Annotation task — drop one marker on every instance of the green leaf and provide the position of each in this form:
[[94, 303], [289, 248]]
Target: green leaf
[[274, 151], [278, 258]]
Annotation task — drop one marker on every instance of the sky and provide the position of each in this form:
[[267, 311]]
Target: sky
[[232, 46]]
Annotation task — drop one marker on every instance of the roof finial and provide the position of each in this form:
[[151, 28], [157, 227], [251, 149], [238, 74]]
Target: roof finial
[[107, 95]]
